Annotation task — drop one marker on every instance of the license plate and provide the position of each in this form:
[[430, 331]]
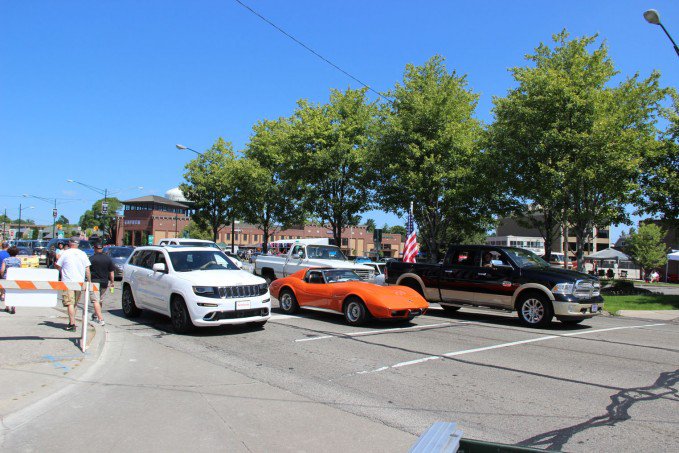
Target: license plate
[[595, 308], [243, 305]]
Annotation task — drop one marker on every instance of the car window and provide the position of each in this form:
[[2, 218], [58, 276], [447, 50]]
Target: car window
[[139, 257], [148, 259], [208, 259], [464, 257], [340, 275], [488, 256], [315, 277]]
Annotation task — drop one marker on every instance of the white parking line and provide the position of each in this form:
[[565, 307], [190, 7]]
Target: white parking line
[[373, 332], [277, 317], [501, 345]]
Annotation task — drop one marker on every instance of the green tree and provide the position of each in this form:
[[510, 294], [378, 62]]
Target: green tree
[[660, 171], [428, 152], [210, 186], [193, 230], [399, 229], [646, 246], [5, 219], [582, 139], [370, 225], [328, 146], [25, 221], [63, 220], [271, 198], [95, 216]]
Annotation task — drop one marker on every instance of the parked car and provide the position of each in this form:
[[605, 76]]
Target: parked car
[[189, 242], [559, 260], [254, 255], [27, 258], [506, 278], [302, 255], [194, 286], [119, 256], [342, 291], [83, 245]]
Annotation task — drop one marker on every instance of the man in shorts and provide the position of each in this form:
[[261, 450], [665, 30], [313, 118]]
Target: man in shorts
[[74, 267], [101, 269]]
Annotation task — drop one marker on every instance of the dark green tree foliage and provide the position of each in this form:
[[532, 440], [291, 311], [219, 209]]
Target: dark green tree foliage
[[571, 143], [660, 172], [25, 221], [94, 216], [646, 246], [329, 144], [370, 224], [63, 220], [272, 200], [192, 230], [210, 185], [428, 152]]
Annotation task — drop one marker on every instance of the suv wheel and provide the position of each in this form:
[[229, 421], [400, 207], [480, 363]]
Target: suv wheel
[[130, 309], [181, 320], [535, 310]]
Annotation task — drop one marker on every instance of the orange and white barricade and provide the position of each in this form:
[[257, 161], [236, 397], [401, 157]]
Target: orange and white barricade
[[25, 287]]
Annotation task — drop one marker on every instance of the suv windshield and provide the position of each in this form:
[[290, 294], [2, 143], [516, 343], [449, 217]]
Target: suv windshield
[[523, 258], [122, 252], [200, 260], [325, 252]]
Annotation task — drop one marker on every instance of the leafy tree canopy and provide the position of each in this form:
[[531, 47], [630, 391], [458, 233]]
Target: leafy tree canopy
[[646, 246]]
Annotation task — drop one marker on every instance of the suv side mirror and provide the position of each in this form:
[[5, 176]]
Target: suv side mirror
[[159, 267]]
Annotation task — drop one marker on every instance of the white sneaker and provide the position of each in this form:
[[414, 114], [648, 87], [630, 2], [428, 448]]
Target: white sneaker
[[102, 322]]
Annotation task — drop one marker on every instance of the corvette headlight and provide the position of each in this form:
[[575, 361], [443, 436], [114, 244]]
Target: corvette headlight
[[205, 291], [563, 288]]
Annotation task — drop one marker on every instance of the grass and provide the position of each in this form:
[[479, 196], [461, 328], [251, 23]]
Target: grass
[[641, 302]]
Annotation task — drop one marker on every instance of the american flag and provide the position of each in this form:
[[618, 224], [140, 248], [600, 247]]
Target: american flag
[[412, 247]]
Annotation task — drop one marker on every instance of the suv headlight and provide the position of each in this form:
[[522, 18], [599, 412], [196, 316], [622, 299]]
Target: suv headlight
[[205, 291], [563, 288]]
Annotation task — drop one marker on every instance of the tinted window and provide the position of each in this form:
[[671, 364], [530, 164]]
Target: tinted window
[[464, 258], [208, 259], [119, 252], [139, 256]]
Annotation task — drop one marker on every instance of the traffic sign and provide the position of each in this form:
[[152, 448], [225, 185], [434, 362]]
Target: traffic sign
[[104, 208], [54, 213]]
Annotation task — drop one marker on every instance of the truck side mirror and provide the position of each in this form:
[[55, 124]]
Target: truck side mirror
[[300, 254]]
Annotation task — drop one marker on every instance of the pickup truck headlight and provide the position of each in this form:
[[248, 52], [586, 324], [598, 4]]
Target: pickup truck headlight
[[205, 291], [563, 288]]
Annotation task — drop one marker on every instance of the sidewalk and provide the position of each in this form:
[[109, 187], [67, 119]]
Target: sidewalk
[[37, 356], [660, 315]]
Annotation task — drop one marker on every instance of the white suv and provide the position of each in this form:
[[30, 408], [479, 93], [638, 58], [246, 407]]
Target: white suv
[[194, 286]]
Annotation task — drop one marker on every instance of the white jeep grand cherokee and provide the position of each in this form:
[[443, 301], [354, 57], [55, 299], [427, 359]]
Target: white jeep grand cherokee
[[194, 286]]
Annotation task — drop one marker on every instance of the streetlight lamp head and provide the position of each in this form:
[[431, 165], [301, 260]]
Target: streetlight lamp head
[[180, 146], [70, 180], [652, 17]]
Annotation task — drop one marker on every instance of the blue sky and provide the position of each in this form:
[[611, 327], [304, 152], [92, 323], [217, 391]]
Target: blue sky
[[100, 92]]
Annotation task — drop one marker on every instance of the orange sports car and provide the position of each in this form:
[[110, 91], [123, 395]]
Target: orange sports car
[[342, 291]]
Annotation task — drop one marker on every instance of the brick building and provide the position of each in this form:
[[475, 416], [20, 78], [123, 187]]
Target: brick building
[[148, 219]]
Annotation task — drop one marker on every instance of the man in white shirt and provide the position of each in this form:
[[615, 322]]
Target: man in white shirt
[[74, 266]]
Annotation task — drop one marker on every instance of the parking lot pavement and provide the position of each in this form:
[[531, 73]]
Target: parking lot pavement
[[610, 384]]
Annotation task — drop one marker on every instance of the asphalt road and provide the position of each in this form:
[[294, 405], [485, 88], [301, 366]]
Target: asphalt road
[[610, 384]]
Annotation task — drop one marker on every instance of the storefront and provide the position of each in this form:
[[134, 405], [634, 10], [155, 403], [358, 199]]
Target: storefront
[[146, 220]]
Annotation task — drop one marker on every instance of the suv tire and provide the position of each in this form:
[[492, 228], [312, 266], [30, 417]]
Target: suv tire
[[181, 320], [535, 309], [130, 309]]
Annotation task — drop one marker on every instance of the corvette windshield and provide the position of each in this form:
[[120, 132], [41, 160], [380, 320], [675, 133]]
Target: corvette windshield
[[340, 275], [524, 258], [325, 252], [202, 260]]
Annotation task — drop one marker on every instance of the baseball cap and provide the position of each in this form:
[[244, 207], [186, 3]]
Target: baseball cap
[[98, 245], [74, 240]]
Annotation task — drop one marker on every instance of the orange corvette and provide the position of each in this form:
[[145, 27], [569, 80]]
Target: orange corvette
[[342, 291]]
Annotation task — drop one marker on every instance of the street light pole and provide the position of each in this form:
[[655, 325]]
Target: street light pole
[[652, 17]]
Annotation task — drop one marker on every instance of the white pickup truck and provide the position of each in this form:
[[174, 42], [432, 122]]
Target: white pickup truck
[[301, 256]]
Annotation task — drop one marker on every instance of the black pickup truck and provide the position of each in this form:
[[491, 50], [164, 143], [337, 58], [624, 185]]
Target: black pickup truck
[[507, 278]]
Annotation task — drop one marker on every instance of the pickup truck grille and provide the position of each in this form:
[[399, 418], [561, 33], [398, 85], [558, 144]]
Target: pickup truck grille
[[235, 292], [365, 275], [586, 290]]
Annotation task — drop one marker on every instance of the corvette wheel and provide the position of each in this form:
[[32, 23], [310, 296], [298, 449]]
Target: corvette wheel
[[288, 302], [355, 312]]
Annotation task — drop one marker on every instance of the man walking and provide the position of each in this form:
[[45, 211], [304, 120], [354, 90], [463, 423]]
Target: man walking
[[74, 267], [101, 269]]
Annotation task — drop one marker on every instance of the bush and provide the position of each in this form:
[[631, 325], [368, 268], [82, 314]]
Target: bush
[[623, 288]]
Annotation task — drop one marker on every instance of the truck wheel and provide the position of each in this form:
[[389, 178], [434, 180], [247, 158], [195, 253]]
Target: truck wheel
[[412, 284], [181, 320], [130, 309], [269, 277], [288, 302], [535, 310], [355, 312]]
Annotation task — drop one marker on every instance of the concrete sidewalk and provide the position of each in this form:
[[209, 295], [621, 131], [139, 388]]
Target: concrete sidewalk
[[38, 357], [660, 315]]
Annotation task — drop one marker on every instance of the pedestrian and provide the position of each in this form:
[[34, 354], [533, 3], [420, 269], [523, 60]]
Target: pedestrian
[[10, 261], [58, 251], [74, 267], [101, 269]]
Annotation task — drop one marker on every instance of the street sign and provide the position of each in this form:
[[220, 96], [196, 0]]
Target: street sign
[[104, 208], [54, 213]]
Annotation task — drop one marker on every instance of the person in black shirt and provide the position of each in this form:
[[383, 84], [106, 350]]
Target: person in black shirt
[[101, 269]]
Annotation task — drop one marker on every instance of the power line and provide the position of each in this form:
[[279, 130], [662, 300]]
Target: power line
[[308, 48]]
